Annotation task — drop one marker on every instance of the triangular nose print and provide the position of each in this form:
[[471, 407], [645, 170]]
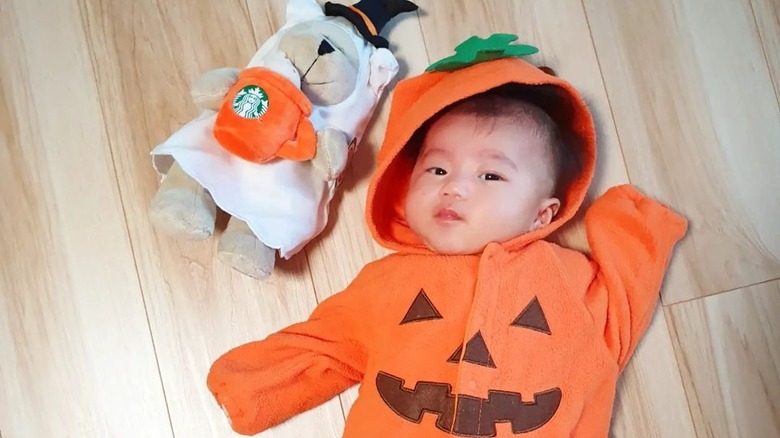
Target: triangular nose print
[[532, 317], [422, 309], [476, 352]]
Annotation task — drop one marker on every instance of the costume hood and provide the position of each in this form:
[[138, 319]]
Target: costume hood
[[418, 99]]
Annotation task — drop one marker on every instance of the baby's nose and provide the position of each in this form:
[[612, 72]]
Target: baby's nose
[[457, 188]]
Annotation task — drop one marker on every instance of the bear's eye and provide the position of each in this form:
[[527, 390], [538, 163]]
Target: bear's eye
[[422, 309], [532, 317], [334, 45]]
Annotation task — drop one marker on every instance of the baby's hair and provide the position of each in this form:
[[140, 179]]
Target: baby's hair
[[530, 105]]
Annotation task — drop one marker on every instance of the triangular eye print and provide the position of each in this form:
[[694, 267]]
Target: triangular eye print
[[532, 317], [422, 309]]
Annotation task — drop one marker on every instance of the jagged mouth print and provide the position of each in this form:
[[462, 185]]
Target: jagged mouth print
[[475, 417]]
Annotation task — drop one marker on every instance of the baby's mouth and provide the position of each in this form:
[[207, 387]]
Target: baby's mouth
[[448, 215]]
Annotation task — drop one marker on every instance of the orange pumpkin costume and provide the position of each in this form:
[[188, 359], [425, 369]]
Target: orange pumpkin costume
[[527, 338], [264, 116]]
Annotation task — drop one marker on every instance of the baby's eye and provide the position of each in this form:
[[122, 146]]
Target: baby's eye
[[492, 177], [437, 171]]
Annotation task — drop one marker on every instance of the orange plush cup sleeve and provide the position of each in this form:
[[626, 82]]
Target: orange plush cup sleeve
[[263, 117]]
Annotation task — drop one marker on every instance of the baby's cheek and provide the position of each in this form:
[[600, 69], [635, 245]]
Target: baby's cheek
[[412, 204], [415, 208], [507, 219]]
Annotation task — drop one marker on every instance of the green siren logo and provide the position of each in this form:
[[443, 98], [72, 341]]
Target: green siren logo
[[251, 102]]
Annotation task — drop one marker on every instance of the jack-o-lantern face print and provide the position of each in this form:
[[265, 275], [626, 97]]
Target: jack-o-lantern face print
[[466, 415]]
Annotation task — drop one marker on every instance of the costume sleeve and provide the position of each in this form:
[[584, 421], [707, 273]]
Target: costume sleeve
[[631, 237], [263, 383]]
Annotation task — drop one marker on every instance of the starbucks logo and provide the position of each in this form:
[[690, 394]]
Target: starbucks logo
[[251, 102]]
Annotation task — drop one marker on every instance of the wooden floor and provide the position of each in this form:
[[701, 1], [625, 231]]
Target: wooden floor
[[107, 329]]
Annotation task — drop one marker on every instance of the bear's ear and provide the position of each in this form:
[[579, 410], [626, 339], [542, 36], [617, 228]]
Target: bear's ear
[[384, 67], [303, 10]]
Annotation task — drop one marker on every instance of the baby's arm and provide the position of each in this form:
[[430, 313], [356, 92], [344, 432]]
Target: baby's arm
[[631, 237], [263, 383]]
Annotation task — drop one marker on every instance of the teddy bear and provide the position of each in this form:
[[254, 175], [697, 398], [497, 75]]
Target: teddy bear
[[273, 139]]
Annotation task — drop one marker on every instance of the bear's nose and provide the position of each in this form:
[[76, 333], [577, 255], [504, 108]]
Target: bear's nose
[[325, 48]]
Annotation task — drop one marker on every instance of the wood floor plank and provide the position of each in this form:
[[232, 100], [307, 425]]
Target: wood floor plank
[[77, 355], [729, 353], [651, 399], [698, 124], [147, 54], [767, 15]]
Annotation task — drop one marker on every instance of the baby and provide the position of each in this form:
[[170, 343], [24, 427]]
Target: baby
[[476, 326]]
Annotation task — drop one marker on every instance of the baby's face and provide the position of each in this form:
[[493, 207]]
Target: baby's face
[[478, 181]]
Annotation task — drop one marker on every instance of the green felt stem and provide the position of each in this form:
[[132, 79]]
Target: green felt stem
[[476, 50]]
